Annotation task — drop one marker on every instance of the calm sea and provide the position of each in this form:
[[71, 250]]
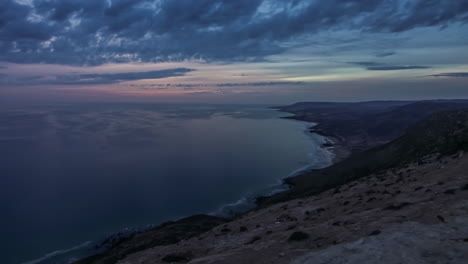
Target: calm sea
[[78, 172]]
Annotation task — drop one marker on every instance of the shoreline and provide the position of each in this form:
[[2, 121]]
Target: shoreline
[[334, 145], [340, 209], [339, 151]]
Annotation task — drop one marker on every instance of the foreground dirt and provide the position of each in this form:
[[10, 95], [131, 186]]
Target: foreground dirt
[[410, 242], [430, 194]]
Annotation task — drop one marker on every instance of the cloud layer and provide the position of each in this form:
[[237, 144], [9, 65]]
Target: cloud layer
[[92, 32], [105, 78], [452, 74], [375, 66]]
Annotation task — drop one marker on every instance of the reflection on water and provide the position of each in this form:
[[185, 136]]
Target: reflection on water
[[75, 173]]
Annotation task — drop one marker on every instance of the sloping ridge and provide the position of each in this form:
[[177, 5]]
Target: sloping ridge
[[444, 133], [361, 126], [165, 234], [440, 134]]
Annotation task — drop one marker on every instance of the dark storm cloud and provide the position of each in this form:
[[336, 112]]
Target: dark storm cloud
[[366, 63], [385, 54], [89, 79], [396, 68], [452, 74], [126, 76], [100, 31], [14, 25], [184, 86], [375, 66], [258, 84]]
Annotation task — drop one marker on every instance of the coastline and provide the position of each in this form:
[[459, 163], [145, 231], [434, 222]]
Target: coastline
[[336, 147], [339, 150], [348, 210], [336, 152], [333, 145]]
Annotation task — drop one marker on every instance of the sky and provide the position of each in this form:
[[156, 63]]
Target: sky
[[233, 51]]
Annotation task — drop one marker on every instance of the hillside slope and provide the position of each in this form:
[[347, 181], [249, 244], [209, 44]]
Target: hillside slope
[[166, 234], [441, 134], [433, 195], [360, 126]]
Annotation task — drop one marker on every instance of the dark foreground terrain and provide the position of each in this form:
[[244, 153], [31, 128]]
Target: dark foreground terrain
[[400, 197], [166, 234]]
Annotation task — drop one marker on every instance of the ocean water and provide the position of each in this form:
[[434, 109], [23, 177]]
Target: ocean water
[[75, 173]]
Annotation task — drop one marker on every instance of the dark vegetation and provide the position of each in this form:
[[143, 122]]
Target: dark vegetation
[[181, 257], [397, 206], [165, 234], [298, 236]]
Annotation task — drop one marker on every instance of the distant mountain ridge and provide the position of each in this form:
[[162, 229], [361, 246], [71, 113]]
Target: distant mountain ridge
[[363, 125]]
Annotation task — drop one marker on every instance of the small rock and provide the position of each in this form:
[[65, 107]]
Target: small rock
[[320, 210], [286, 218], [451, 191], [254, 239], [441, 219], [298, 236], [397, 206], [225, 230], [181, 257]]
